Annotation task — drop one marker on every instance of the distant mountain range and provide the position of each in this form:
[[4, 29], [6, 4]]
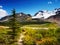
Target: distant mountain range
[[45, 14], [51, 16], [20, 17]]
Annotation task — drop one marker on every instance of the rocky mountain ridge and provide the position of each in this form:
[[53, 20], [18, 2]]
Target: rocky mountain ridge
[[51, 16], [20, 17]]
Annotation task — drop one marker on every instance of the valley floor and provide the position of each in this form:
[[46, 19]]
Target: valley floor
[[33, 34]]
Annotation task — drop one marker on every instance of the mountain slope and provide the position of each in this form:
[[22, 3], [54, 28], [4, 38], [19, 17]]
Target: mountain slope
[[44, 14], [55, 18], [20, 17]]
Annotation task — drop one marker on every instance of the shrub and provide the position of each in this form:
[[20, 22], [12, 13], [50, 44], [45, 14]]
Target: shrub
[[28, 41]]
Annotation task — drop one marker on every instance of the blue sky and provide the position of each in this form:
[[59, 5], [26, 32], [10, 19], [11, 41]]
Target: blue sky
[[29, 6]]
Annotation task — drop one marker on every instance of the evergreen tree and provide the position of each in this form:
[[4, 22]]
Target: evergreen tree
[[14, 26]]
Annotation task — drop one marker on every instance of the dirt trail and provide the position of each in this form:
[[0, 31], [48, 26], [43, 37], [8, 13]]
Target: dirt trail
[[20, 41]]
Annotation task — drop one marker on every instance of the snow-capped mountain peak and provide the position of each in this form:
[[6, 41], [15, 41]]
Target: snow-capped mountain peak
[[45, 14]]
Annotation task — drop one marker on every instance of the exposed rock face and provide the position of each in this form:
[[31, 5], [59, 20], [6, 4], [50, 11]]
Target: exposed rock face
[[55, 18], [51, 16], [20, 17]]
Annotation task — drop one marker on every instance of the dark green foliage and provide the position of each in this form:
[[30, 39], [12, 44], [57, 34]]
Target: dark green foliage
[[14, 26]]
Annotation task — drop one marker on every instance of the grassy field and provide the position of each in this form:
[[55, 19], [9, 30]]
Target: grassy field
[[41, 34], [47, 25], [35, 34]]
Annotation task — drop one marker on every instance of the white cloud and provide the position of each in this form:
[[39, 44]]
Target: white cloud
[[2, 12], [50, 2]]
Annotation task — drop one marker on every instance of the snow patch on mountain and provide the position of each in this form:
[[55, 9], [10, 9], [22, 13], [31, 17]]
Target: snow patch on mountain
[[45, 14]]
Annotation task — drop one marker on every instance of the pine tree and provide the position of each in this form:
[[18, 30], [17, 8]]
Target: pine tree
[[14, 26]]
